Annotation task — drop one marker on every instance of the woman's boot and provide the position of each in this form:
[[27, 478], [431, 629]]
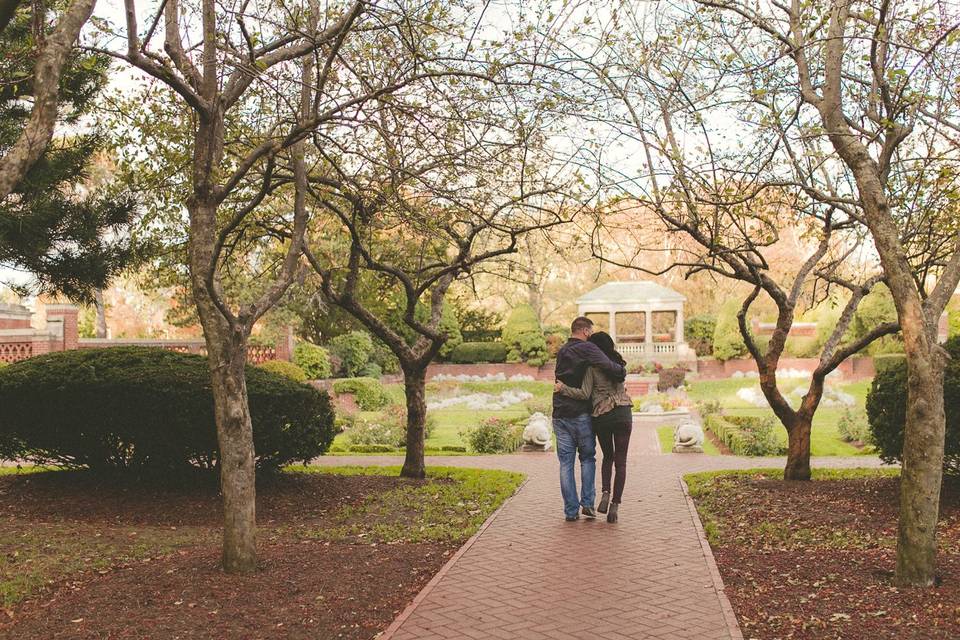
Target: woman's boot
[[612, 513], [604, 502]]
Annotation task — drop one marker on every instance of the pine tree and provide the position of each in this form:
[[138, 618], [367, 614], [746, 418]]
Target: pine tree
[[71, 243]]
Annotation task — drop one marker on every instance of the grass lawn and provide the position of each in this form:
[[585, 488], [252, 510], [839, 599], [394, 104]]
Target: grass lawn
[[341, 549], [665, 435], [824, 438], [451, 421], [813, 560]]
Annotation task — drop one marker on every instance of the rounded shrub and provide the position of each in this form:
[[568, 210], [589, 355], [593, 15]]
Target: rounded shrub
[[887, 408], [353, 350], [368, 392], [147, 410], [495, 435], [285, 369], [474, 352], [698, 331], [314, 360], [727, 341], [523, 336]]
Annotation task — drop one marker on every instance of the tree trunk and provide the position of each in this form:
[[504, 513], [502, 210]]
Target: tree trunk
[[101, 313], [414, 386], [922, 472], [227, 355], [798, 450], [237, 471]]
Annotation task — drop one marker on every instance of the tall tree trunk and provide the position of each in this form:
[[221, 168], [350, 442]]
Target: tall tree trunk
[[923, 444], [227, 354], [414, 386], [237, 470], [101, 313]]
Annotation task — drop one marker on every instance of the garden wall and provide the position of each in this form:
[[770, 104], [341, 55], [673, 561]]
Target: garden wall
[[19, 340], [856, 368]]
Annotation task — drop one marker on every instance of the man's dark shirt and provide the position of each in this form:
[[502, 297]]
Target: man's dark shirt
[[572, 361]]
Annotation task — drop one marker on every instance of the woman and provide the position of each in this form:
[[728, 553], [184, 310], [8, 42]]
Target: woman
[[612, 422]]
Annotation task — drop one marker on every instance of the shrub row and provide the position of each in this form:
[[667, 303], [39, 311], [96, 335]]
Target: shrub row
[[524, 337], [143, 409], [746, 435], [479, 352]]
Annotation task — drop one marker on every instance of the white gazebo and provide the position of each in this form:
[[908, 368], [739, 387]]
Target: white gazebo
[[644, 318]]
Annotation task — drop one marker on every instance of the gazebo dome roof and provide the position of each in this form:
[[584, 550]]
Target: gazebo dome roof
[[631, 291]]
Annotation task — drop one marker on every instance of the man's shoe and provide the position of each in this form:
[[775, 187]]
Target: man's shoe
[[588, 512], [572, 518], [604, 502], [612, 513]]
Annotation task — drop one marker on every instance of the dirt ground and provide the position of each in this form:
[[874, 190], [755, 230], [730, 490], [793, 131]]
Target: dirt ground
[[815, 560], [81, 559]]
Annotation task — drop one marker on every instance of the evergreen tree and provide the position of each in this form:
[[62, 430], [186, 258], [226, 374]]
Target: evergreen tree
[[71, 242]]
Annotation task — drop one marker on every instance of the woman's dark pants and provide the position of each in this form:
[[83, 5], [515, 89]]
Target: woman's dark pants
[[613, 433]]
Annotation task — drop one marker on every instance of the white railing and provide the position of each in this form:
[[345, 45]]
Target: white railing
[[640, 348]]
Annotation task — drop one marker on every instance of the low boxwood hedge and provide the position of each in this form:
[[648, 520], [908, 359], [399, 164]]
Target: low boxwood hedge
[[146, 409], [479, 352], [746, 435]]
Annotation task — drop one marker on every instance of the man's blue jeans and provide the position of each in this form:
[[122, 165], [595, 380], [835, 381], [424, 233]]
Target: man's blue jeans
[[575, 435]]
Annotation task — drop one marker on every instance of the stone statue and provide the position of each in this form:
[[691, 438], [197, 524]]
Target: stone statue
[[536, 435], [688, 437]]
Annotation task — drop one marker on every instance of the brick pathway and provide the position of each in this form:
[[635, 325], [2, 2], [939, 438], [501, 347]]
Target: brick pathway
[[530, 575]]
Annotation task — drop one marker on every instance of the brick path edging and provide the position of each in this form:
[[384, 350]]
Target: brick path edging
[[728, 615], [406, 613]]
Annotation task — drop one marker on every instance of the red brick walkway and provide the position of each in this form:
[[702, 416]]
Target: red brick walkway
[[530, 575]]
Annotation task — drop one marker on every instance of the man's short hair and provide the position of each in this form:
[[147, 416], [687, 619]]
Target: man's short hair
[[580, 324]]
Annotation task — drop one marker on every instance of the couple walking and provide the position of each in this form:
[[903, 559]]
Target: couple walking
[[590, 403]]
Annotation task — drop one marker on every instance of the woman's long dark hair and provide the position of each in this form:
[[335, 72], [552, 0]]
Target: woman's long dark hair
[[603, 340]]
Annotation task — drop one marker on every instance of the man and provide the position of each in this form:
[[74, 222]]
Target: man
[[571, 418]]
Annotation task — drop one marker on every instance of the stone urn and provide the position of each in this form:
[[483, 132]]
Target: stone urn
[[536, 435], [688, 437]]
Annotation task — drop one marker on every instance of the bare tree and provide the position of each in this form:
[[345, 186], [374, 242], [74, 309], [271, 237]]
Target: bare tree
[[852, 107], [257, 79], [445, 183]]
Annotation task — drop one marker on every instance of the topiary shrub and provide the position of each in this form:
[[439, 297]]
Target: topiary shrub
[[698, 332], [727, 341], [368, 392], [314, 360], [802, 347], [147, 410], [524, 337], [285, 369], [495, 435], [474, 352], [353, 350], [887, 408]]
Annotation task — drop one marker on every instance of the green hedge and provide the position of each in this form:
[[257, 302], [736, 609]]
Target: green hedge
[[474, 352], [368, 392], [354, 351], [698, 331], [727, 341], [147, 410], [314, 360], [524, 338], [887, 408], [883, 363], [285, 369], [746, 435]]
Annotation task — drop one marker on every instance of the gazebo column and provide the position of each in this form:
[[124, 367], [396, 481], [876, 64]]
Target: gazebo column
[[679, 328], [612, 323], [648, 331]]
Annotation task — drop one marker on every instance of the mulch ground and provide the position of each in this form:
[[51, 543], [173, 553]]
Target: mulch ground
[[815, 560], [305, 588]]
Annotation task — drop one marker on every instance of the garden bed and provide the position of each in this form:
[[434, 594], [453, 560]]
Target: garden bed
[[342, 551], [815, 560]]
